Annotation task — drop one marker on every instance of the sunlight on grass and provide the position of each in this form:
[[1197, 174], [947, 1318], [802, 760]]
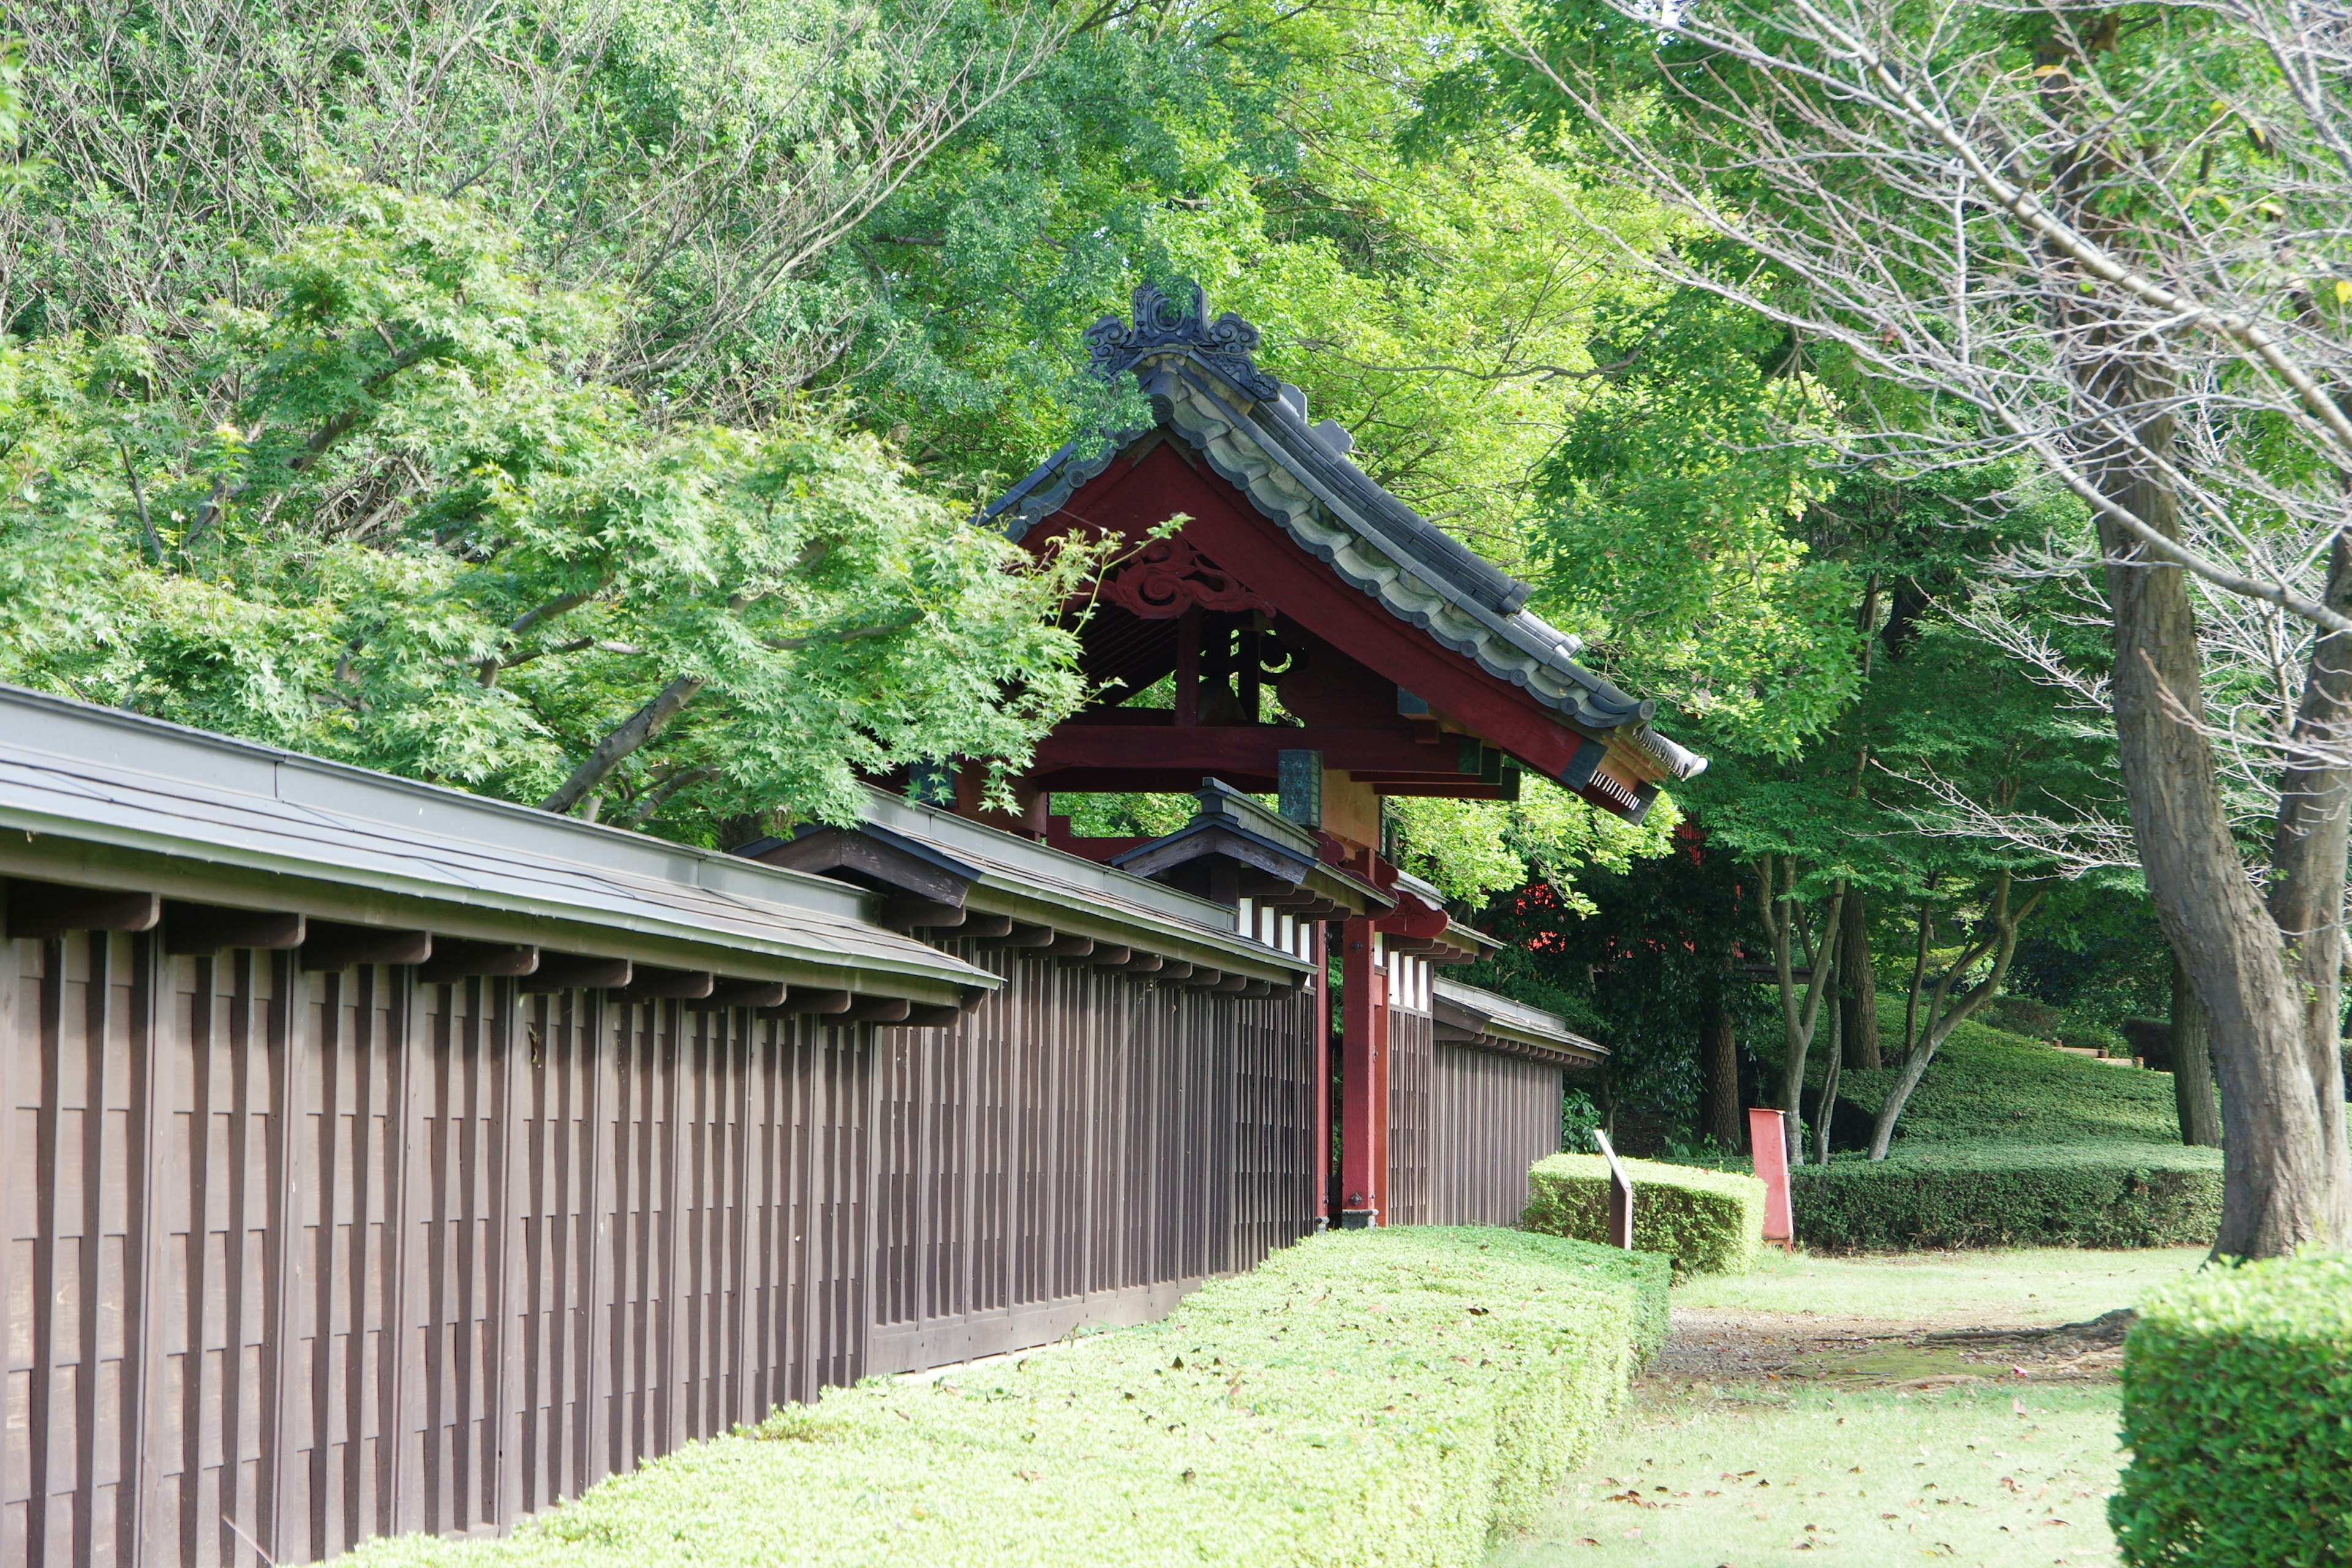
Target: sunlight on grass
[[2004, 1477], [2025, 1286]]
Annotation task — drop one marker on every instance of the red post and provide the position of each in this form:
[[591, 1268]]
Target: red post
[[1318, 949], [1767, 1141], [1360, 1071], [1381, 1084]]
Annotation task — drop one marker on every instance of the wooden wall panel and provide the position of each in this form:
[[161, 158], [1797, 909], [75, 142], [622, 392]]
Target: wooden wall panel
[[1411, 1157], [1081, 1147], [1490, 1118], [289, 1259]]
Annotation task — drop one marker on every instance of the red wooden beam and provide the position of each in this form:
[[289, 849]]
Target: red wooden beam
[[1245, 748], [1131, 499]]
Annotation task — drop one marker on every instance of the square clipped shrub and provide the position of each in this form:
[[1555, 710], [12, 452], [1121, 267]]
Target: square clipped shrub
[[1365, 1398], [2237, 1414], [1707, 1222], [1997, 1193]]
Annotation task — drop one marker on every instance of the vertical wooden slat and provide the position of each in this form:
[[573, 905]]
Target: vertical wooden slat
[[327, 1187], [502, 1412], [287, 1089], [400, 1410], [41, 1546], [200, 1393], [17, 1183], [98, 1017], [238, 1502], [143, 1411], [742, 1402], [598, 1318]]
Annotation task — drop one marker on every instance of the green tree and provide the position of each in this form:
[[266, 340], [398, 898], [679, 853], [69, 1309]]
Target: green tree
[[388, 513]]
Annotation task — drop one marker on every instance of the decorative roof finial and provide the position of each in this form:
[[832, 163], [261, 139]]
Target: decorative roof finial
[[1160, 324]]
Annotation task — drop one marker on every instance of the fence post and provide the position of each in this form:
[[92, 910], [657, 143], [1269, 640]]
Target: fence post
[[1620, 1195], [1768, 1140]]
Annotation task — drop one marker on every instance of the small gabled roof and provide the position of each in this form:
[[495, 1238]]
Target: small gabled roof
[[1484, 1020], [1252, 429]]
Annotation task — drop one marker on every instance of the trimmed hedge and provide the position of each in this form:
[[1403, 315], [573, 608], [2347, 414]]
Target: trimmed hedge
[[1709, 1222], [2237, 1414], [2010, 1194], [1362, 1398]]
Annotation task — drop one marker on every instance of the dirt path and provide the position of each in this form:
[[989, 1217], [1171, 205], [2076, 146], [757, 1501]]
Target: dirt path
[[1711, 1346]]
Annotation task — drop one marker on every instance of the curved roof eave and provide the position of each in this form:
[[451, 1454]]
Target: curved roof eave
[[1253, 431]]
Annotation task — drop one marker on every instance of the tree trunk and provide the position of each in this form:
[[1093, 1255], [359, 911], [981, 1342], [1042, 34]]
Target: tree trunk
[[1857, 987], [1997, 936], [1825, 1108], [1719, 1060], [2267, 977], [2192, 1064], [1800, 1017]]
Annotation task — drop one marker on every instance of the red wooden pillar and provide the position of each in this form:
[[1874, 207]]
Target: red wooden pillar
[[1381, 1084], [1318, 949], [1363, 1075]]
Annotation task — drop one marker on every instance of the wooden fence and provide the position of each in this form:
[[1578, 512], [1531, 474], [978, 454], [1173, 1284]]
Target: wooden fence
[[294, 1257], [1490, 1118]]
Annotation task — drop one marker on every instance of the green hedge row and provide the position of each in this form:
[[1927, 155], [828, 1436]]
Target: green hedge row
[[2237, 1414], [1364, 1398], [1709, 1222], [2011, 1194]]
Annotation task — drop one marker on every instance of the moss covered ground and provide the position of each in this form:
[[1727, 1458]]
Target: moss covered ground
[[1988, 1084]]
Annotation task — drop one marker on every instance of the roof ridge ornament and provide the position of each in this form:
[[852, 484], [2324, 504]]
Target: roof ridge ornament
[[1223, 345]]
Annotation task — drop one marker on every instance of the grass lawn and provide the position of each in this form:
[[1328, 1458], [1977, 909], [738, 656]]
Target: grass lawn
[[1986, 1083], [1834, 1405]]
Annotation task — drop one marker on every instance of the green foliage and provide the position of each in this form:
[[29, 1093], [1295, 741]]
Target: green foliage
[[1364, 1398], [1709, 1222], [390, 518], [1475, 849], [2237, 1415], [2003, 1193], [1675, 541]]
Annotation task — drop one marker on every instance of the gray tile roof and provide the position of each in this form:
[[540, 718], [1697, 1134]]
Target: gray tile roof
[[1499, 1023], [96, 775], [1022, 870], [1253, 430]]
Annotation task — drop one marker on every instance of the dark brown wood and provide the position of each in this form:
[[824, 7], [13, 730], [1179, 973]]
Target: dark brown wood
[[1489, 1118], [575, 972], [2191, 1052], [800, 999], [1103, 956], [992, 927], [652, 984], [462, 960], [330, 944], [357, 1253], [878, 1010], [743, 993], [38, 909], [908, 910], [1014, 935], [1071, 946], [209, 928], [1725, 1117]]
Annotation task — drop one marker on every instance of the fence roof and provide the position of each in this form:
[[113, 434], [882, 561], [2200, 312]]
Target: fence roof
[[80, 773], [1483, 1019]]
